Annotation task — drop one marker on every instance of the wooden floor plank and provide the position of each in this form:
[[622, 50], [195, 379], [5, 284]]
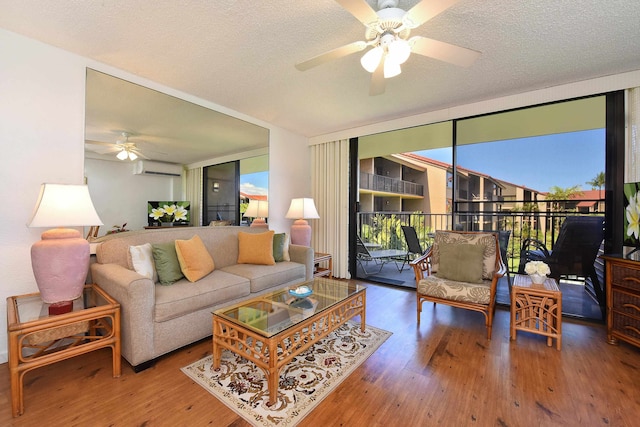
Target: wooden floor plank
[[442, 372]]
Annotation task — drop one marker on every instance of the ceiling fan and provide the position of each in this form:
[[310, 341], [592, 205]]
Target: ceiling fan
[[123, 147], [387, 34]]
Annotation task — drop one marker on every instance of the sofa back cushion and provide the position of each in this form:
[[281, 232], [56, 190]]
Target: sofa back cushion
[[221, 242]]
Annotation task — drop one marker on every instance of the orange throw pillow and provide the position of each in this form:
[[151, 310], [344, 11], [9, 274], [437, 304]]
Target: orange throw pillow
[[255, 248], [195, 261]]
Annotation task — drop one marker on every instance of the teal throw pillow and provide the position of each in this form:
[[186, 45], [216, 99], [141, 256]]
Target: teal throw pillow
[[461, 262], [167, 264], [281, 247]]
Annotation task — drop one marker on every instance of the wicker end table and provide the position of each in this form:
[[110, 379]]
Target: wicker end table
[[536, 308]]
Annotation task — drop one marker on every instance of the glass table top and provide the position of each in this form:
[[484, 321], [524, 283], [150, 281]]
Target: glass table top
[[271, 313], [31, 307]]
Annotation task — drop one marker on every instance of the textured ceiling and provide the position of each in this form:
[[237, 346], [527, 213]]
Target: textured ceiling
[[241, 53]]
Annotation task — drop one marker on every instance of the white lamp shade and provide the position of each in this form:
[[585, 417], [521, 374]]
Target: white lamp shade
[[399, 51], [303, 208], [371, 59], [122, 155], [64, 205], [391, 69], [257, 209]]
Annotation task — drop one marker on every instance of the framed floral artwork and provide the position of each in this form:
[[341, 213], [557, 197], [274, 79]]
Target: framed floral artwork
[[165, 213], [632, 214]]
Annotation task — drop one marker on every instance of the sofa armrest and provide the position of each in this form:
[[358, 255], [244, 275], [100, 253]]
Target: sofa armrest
[[136, 295], [303, 255]]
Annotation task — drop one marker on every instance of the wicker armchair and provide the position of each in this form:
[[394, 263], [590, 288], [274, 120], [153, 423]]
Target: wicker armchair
[[460, 269]]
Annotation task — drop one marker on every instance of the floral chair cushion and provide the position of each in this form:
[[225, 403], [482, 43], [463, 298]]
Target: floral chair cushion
[[487, 240], [479, 293]]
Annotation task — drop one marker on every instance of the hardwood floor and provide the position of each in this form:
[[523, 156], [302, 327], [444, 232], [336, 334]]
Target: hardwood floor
[[444, 372]]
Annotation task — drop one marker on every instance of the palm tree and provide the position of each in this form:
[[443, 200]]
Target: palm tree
[[597, 182]]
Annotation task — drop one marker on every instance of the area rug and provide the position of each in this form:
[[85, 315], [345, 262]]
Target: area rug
[[304, 382]]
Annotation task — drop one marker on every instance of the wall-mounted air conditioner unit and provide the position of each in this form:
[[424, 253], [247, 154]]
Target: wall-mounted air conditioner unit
[[146, 167]]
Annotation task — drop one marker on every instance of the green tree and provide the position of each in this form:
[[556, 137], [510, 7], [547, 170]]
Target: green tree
[[597, 182], [558, 195]]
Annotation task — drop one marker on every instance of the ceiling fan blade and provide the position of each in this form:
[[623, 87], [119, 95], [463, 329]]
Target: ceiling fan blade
[[139, 154], [100, 147], [442, 51], [361, 10], [425, 10], [378, 83], [331, 55]]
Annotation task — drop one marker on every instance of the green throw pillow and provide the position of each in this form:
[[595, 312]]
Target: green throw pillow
[[281, 247], [461, 262], [167, 264]]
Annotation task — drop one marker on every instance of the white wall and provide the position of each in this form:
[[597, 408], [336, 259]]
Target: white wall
[[121, 197], [42, 92], [42, 139]]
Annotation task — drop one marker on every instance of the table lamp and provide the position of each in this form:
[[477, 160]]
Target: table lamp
[[301, 210], [60, 261], [259, 210]]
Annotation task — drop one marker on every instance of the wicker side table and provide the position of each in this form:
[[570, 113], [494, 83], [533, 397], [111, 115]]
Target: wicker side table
[[38, 339], [536, 308]]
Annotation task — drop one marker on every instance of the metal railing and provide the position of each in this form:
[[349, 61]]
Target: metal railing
[[390, 185], [383, 228]]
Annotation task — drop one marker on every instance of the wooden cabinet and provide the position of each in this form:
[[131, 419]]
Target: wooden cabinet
[[623, 300]]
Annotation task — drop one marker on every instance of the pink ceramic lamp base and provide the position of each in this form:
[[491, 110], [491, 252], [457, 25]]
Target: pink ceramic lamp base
[[259, 223], [60, 264], [301, 233]]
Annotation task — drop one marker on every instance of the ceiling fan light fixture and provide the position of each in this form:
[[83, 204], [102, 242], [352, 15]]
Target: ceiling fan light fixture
[[391, 68], [132, 156], [122, 155], [399, 51], [371, 59]]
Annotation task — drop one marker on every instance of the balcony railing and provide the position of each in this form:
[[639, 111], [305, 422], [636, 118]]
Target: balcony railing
[[389, 185], [383, 228]]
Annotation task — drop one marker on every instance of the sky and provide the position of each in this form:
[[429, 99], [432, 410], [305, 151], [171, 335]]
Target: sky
[[540, 162], [255, 183]]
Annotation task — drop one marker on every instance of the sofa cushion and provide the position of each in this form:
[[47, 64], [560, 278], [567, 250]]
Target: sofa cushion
[[461, 262], [262, 277], [256, 248], [167, 264], [281, 247], [184, 297], [141, 259], [195, 261]]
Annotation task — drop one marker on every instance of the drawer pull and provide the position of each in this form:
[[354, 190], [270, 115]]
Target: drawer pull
[[631, 328], [635, 307], [631, 279]]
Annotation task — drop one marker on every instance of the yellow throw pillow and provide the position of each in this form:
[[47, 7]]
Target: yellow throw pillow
[[256, 248], [195, 261]]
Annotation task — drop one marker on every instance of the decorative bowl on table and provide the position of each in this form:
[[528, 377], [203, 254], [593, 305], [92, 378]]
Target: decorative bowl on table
[[301, 291]]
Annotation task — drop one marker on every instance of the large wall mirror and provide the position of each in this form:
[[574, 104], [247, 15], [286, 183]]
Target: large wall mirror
[[140, 142]]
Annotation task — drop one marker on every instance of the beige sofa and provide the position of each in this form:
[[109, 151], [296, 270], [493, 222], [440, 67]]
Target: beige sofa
[[155, 318]]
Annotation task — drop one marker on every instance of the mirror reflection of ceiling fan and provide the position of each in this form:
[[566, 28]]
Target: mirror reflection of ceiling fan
[[387, 34], [124, 148]]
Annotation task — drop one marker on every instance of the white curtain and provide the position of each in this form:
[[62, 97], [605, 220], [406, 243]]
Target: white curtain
[[632, 166], [330, 190], [193, 193]]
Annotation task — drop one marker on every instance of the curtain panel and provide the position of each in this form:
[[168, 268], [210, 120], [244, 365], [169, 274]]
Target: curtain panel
[[632, 172], [330, 190], [193, 193]]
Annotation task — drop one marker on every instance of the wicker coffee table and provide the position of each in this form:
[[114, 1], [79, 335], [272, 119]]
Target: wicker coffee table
[[278, 323]]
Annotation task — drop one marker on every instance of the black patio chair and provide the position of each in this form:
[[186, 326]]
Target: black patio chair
[[414, 248], [573, 253]]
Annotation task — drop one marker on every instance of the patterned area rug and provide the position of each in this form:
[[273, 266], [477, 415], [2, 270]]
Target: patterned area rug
[[304, 382]]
